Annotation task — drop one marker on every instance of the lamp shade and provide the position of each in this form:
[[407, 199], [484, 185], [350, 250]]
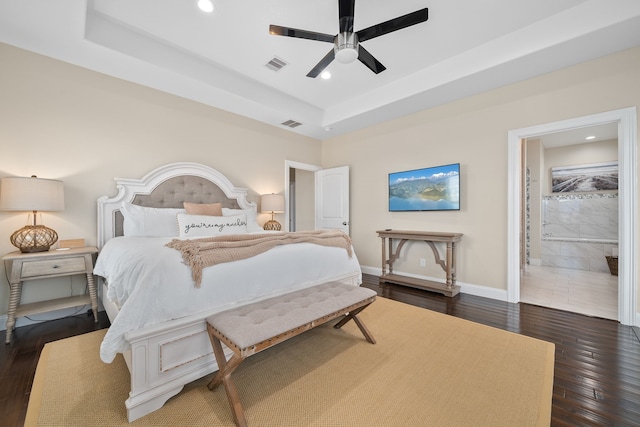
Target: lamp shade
[[31, 194], [272, 203]]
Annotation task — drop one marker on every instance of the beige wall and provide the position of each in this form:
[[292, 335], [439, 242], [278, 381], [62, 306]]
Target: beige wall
[[61, 121], [473, 132], [64, 122]]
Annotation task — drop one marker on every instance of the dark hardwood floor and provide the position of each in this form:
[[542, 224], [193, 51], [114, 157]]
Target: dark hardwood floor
[[18, 360], [597, 364]]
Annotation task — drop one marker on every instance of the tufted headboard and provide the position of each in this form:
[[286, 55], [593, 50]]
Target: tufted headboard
[[168, 187]]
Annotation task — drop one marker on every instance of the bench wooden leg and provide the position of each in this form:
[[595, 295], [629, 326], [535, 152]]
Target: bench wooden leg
[[225, 369], [234, 401], [354, 315]]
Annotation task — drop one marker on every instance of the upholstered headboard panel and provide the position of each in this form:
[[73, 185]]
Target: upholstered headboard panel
[[194, 189], [168, 187], [173, 192]]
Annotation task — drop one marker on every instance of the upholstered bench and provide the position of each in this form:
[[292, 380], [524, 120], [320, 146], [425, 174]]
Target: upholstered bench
[[254, 327]]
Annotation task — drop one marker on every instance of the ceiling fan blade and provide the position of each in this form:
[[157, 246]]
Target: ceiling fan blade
[[367, 59], [345, 14], [277, 30], [320, 66], [394, 24]]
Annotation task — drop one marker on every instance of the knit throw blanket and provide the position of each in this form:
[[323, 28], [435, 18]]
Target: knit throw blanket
[[205, 252]]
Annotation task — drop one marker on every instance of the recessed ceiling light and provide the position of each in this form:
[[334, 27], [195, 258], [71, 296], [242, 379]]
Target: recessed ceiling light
[[206, 5], [591, 137], [325, 75]]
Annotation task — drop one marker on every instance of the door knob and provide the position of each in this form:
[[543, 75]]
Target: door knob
[[345, 223]]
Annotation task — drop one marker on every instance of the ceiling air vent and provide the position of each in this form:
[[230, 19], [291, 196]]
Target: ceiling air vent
[[291, 124], [275, 64]]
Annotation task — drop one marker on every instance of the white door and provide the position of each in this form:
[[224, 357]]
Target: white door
[[332, 198]]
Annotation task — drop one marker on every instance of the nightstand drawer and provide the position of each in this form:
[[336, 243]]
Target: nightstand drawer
[[46, 267]]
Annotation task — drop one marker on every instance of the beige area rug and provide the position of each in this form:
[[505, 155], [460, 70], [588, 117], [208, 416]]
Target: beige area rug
[[427, 369]]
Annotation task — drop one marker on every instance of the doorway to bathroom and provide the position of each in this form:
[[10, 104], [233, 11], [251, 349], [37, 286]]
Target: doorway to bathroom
[[626, 120], [570, 221]]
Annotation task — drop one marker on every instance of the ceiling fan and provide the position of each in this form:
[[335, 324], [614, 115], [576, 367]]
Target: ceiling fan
[[346, 44]]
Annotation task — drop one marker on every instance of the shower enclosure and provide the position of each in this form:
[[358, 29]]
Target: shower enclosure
[[579, 230]]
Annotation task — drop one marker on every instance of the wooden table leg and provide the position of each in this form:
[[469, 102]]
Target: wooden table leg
[[384, 257], [93, 296], [391, 257], [14, 301], [453, 263], [449, 265]]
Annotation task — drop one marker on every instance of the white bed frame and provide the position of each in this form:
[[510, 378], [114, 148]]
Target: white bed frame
[[163, 358]]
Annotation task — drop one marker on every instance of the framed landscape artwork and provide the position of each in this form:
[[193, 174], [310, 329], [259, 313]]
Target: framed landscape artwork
[[585, 178], [428, 189]]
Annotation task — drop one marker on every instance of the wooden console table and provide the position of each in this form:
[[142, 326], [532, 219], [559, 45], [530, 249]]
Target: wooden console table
[[430, 238]]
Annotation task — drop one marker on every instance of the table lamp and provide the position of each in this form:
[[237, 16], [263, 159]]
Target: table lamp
[[272, 203], [32, 194]]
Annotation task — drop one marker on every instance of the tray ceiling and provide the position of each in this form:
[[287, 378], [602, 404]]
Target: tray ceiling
[[466, 47]]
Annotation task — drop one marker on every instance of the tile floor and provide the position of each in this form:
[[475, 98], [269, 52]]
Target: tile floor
[[578, 291]]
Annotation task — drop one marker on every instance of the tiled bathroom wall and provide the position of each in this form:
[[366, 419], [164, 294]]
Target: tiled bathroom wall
[[579, 230]]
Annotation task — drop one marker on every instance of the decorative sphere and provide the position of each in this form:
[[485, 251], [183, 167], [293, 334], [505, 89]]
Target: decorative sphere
[[34, 238]]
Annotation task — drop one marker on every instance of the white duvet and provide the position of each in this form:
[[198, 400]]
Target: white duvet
[[150, 283]]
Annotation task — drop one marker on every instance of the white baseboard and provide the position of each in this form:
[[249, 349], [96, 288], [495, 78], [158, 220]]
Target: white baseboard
[[374, 271], [465, 288]]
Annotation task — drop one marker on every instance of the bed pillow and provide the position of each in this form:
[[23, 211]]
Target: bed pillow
[[252, 217], [214, 209], [193, 226], [149, 222]]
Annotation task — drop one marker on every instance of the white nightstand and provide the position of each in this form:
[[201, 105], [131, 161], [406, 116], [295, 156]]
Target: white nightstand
[[21, 267]]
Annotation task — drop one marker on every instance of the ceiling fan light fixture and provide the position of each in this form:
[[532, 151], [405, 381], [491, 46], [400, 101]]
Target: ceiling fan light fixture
[[346, 44], [206, 6], [346, 48], [347, 55]]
